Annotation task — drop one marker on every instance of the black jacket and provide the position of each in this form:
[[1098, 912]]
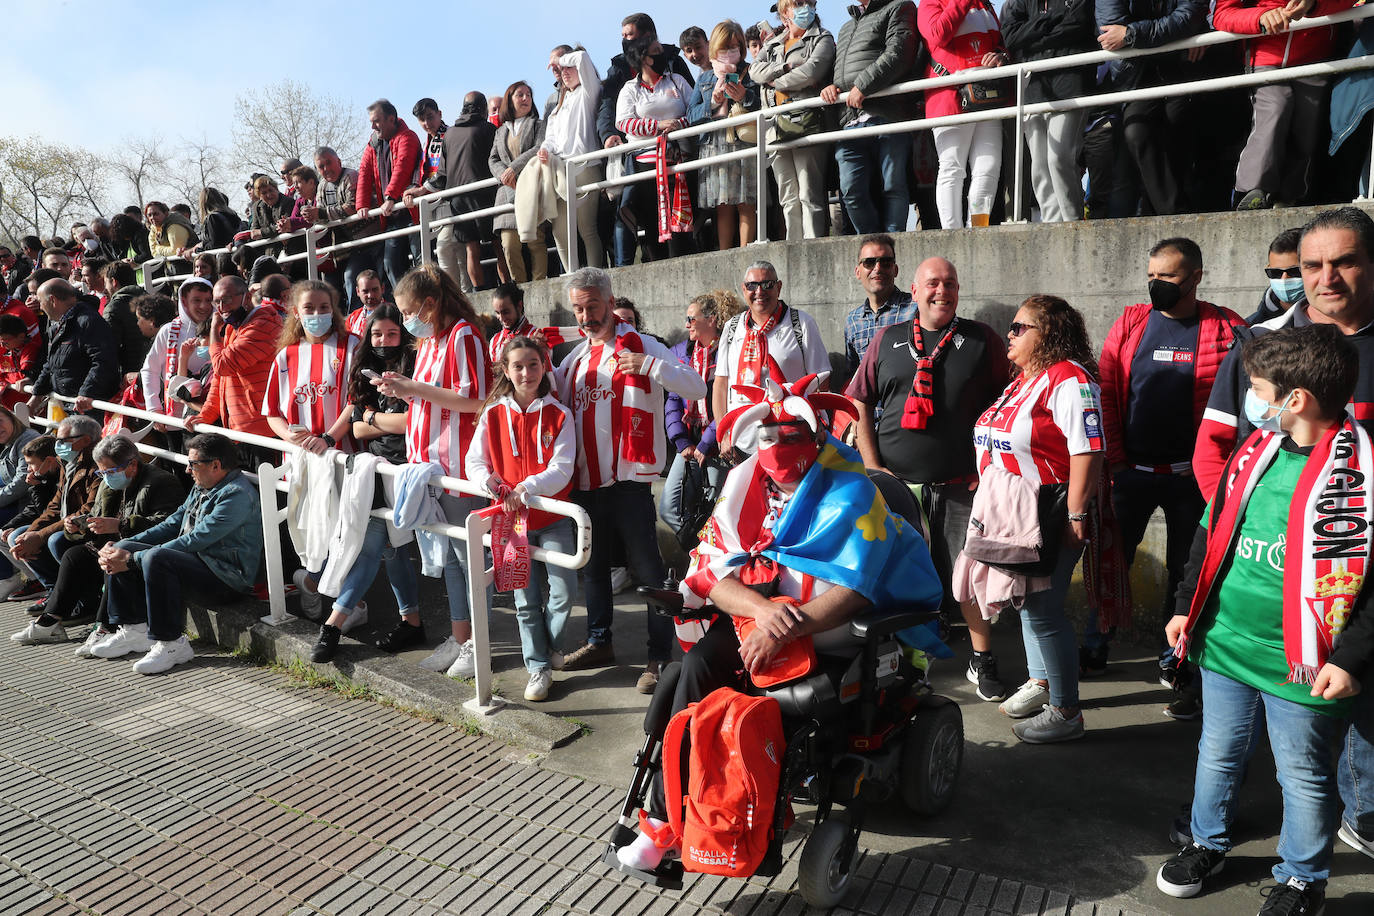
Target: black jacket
[[82, 358], [22, 268], [130, 343], [220, 228], [877, 47], [617, 75], [467, 147], [1041, 29]]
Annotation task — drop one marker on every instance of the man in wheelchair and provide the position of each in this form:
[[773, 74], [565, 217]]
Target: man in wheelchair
[[800, 543]]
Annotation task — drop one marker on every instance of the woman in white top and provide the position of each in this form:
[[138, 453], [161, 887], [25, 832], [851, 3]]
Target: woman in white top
[[571, 131]]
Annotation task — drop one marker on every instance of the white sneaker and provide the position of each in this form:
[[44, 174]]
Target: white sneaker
[[644, 853], [538, 688], [35, 633], [556, 661], [310, 597], [442, 657], [11, 585], [96, 635], [620, 579], [465, 665], [165, 655], [130, 638], [1028, 699], [356, 618]]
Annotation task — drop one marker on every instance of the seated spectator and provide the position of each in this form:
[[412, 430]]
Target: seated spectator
[[212, 542], [524, 445], [466, 152], [379, 423], [369, 296], [334, 200], [39, 543], [517, 141], [56, 259], [129, 239], [42, 469], [652, 103], [14, 484], [82, 360], [876, 47], [217, 220], [13, 272], [1284, 274], [93, 280], [306, 183], [130, 344], [1156, 130], [793, 65], [383, 178], [160, 366], [725, 90], [287, 171], [243, 341], [694, 47], [962, 35], [153, 312], [170, 234], [206, 267], [269, 211], [21, 357], [132, 496], [570, 131], [101, 229], [1040, 31]]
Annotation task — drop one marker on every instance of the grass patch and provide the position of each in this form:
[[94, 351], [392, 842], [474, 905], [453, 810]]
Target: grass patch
[[306, 675], [582, 727]]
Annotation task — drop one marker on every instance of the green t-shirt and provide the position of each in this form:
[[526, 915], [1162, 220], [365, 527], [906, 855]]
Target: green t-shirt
[[1240, 632]]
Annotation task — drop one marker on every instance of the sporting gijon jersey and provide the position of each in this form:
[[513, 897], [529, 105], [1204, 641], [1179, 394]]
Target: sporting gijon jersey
[[1038, 422], [356, 322], [456, 361], [309, 383]]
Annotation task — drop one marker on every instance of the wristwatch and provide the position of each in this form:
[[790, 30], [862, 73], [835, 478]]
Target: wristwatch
[[370, 418], [328, 440]]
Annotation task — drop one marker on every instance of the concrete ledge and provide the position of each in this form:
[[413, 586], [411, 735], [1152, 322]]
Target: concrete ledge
[[238, 626]]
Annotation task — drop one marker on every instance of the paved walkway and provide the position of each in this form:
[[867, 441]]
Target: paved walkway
[[229, 789]]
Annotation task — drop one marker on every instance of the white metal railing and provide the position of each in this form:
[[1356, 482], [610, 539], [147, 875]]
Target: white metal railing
[[1019, 72], [475, 533]]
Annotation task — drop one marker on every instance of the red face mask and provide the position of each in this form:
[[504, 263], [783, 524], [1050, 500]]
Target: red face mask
[[786, 454]]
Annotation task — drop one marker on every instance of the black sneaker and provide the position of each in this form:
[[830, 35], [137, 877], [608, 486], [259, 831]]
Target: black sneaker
[[1093, 662], [1181, 829], [1295, 898], [403, 637], [1186, 706], [37, 608], [326, 645], [982, 673], [1182, 876]]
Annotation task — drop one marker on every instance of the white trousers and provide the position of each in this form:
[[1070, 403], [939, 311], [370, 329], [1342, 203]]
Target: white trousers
[[962, 150]]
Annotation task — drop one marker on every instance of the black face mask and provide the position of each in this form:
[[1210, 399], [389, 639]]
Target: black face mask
[[1164, 294], [389, 354]]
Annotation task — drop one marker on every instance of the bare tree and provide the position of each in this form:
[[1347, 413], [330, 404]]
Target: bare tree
[[141, 164], [45, 186], [199, 164], [288, 120]]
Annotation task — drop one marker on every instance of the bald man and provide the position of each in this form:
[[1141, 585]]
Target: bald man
[[82, 359], [928, 442]]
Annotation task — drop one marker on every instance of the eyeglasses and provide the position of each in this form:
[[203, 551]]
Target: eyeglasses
[[1016, 328], [756, 285], [691, 320], [1278, 273], [200, 462], [105, 474], [870, 263]]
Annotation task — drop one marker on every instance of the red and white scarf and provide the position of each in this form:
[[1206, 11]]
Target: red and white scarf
[[1330, 532], [675, 214], [920, 403], [753, 355], [695, 414], [632, 421]]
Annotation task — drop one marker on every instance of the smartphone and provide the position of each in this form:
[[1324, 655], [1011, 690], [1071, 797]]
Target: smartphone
[[370, 374], [732, 77], [80, 521]]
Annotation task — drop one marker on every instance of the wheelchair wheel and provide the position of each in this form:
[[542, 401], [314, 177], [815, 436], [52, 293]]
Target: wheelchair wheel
[[932, 754], [827, 864]]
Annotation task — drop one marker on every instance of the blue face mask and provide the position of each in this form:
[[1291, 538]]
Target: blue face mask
[[202, 352], [1255, 409], [418, 328], [64, 450], [317, 325], [117, 480], [803, 16], [1287, 289]]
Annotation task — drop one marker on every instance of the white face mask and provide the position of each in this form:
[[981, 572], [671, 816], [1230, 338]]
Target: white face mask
[[90, 244], [729, 57]]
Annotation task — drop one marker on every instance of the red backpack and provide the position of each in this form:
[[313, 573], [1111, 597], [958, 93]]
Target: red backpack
[[725, 816]]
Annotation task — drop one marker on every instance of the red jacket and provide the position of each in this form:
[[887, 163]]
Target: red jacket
[[405, 160], [242, 369], [1287, 49], [1215, 333], [536, 446]]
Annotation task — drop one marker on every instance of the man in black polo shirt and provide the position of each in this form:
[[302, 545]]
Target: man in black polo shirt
[[921, 429]]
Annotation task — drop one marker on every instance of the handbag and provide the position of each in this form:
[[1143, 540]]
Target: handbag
[[747, 134], [794, 124], [979, 96]]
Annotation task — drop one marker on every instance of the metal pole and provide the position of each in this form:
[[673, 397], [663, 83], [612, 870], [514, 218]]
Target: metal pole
[[425, 256], [761, 206], [571, 210], [479, 577], [1368, 192], [312, 263], [271, 543], [1022, 77]]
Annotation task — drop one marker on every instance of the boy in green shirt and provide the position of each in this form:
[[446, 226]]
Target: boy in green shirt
[[1280, 639]]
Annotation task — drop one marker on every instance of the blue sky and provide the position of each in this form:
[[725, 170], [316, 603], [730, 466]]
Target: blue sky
[[93, 73]]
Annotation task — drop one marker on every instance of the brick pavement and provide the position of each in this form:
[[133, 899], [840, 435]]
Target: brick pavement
[[228, 789]]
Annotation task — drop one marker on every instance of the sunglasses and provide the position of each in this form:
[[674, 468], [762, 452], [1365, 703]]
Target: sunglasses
[[1017, 328], [870, 263], [1278, 273], [756, 285], [200, 462]]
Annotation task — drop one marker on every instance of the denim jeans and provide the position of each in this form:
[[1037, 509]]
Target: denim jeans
[[400, 571], [623, 511], [6, 513], [1300, 739], [456, 509], [889, 155], [396, 252], [670, 507], [44, 563], [356, 261], [1051, 644], [7, 549], [152, 589], [1355, 770], [542, 625]]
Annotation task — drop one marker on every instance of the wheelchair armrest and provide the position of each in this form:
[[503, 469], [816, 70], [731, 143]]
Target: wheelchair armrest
[[667, 602], [877, 625]]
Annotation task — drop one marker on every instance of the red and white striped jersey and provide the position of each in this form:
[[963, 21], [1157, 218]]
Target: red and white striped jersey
[[356, 322], [309, 383], [1037, 423], [552, 336], [455, 361], [585, 383]]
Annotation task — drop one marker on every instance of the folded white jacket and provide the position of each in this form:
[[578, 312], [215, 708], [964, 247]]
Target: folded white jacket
[[312, 506]]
